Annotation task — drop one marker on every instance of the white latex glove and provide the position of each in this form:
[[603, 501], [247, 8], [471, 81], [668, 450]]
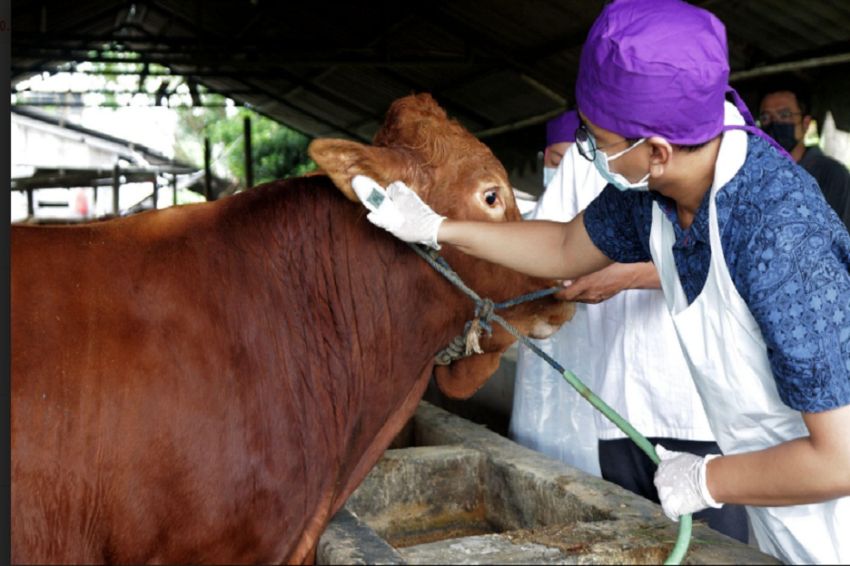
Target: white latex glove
[[681, 484], [399, 211]]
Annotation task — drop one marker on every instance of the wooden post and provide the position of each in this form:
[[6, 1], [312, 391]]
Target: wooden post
[[155, 195], [207, 171], [174, 189], [116, 186], [249, 158]]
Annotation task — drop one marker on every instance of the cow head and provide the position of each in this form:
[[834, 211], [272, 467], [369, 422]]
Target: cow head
[[460, 178]]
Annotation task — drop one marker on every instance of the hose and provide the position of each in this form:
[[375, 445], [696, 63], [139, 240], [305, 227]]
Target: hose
[[685, 521], [683, 540]]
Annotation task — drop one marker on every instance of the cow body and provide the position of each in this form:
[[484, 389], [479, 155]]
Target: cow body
[[209, 383]]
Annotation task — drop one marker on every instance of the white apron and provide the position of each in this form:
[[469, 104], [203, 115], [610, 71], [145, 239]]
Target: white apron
[[621, 349], [728, 359]]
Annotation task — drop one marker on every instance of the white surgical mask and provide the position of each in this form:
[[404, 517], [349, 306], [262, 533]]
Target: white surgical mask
[[601, 161], [548, 174]]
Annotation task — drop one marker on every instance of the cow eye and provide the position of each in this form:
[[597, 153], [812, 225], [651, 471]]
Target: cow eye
[[491, 196]]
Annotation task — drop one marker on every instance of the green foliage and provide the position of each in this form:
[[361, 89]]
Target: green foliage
[[278, 152]]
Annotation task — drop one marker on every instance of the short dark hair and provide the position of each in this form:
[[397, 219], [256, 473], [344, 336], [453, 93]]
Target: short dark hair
[[795, 86], [693, 147], [687, 148]]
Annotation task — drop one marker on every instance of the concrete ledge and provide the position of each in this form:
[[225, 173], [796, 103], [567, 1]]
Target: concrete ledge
[[347, 540], [465, 495]]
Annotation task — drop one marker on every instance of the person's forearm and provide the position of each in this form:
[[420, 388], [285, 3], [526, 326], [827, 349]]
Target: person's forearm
[[805, 470], [791, 473], [633, 275], [536, 247], [645, 276]]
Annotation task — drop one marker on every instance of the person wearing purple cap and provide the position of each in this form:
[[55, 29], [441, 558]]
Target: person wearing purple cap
[[560, 135], [753, 262], [622, 344]]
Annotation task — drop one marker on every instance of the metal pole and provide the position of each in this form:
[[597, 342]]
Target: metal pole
[[155, 193], [530, 121], [174, 189], [249, 158], [30, 203], [790, 66], [116, 185], [207, 171]]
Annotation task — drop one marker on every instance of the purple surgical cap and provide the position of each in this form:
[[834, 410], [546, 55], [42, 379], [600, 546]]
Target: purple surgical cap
[[655, 67], [562, 128]]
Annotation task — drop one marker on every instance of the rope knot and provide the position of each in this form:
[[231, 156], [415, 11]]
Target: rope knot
[[469, 342], [484, 309]]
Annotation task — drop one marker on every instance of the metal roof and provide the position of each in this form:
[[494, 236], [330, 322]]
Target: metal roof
[[500, 67]]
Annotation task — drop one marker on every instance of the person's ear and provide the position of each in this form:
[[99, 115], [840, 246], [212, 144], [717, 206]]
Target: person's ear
[[807, 121], [660, 153]]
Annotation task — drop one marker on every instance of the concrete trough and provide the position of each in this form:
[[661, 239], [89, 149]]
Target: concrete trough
[[460, 494]]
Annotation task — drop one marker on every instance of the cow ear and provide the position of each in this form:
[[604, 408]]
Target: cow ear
[[466, 376], [342, 160]]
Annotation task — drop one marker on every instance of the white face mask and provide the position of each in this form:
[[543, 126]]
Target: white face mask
[[548, 174], [601, 161]]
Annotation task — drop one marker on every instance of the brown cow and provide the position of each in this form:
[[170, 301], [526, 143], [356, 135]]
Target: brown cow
[[210, 383]]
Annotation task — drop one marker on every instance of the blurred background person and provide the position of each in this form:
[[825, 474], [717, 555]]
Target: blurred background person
[[784, 116]]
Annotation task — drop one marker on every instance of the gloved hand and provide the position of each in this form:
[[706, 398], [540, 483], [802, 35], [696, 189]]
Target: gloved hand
[[681, 484], [399, 211]]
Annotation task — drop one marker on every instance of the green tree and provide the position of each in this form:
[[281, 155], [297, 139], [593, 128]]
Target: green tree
[[278, 152]]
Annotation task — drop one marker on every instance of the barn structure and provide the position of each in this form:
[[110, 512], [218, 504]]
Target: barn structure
[[81, 174], [502, 68]]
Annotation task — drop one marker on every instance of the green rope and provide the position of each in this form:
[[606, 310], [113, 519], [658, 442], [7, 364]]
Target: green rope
[[683, 540]]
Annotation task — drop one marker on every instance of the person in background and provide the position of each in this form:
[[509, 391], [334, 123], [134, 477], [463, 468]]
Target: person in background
[[621, 342], [784, 116], [547, 414], [559, 139], [753, 262]]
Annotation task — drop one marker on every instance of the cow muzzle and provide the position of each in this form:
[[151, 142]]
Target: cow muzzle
[[542, 329], [554, 316]]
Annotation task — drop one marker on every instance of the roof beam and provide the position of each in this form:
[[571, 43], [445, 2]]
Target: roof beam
[[81, 104], [454, 109], [115, 8], [268, 93], [519, 124], [790, 66], [488, 49], [159, 92], [167, 60], [235, 57]]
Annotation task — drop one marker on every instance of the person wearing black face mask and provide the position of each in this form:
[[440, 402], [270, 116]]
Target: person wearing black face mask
[[784, 117]]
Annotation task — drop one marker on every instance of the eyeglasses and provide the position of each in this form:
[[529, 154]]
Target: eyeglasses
[[586, 143], [784, 116]]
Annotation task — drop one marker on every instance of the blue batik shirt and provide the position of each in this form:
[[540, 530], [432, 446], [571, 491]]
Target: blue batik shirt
[[788, 254]]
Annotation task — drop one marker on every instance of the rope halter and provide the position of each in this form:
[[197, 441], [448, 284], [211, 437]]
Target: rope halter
[[468, 342]]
